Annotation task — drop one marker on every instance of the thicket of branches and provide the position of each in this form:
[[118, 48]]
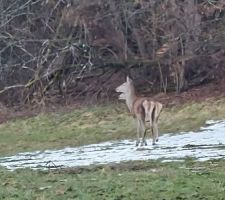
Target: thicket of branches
[[70, 48]]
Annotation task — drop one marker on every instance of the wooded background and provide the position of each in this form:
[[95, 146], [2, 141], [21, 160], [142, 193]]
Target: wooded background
[[57, 50]]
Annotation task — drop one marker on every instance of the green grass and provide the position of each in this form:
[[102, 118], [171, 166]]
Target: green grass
[[191, 116], [135, 180], [56, 130], [96, 124]]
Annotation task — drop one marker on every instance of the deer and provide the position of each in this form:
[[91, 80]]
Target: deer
[[143, 109], [152, 113]]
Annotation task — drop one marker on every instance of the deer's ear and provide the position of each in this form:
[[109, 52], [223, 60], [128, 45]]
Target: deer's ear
[[128, 79]]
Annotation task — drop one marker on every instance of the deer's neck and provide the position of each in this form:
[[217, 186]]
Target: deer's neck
[[130, 98]]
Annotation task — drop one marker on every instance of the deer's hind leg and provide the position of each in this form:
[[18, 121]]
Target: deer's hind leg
[[155, 133], [156, 119], [138, 132], [144, 131]]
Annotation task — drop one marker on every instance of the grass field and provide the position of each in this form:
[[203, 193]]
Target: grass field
[[137, 180], [96, 124], [134, 180]]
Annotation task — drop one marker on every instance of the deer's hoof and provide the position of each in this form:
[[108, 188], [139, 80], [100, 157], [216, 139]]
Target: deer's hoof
[[157, 140], [143, 143]]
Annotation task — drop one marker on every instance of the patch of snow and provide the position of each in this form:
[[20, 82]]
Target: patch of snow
[[208, 143]]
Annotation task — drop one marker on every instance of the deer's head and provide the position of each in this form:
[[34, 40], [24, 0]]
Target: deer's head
[[126, 88]]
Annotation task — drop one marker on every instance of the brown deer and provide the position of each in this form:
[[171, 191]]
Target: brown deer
[[141, 108], [152, 112]]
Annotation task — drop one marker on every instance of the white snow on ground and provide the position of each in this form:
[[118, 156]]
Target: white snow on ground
[[208, 143]]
